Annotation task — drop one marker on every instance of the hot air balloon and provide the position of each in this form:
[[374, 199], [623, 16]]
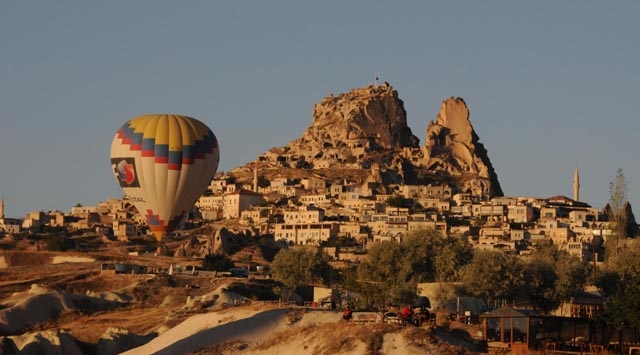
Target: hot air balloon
[[164, 163]]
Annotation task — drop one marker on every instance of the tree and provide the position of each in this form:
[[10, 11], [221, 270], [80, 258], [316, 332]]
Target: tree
[[60, 243], [217, 262], [436, 258], [552, 276], [420, 249], [618, 283], [384, 277], [263, 181], [617, 201], [295, 267], [493, 276], [451, 259], [400, 202], [391, 271]]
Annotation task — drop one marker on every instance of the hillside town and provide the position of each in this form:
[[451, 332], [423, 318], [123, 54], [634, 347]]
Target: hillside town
[[310, 211], [356, 182]]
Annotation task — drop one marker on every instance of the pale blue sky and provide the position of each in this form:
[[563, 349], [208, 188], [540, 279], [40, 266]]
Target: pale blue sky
[[550, 84]]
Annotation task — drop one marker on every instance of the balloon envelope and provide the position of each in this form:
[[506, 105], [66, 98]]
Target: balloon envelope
[[164, 163]]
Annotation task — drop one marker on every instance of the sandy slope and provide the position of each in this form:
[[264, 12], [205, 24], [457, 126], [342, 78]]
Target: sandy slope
[[249, 331], [241, 324]]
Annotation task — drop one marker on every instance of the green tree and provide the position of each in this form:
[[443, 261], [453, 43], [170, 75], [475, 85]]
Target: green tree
[[263, 181], [553, 276], [391, 271], [493, 276], [619, 284], [60, 243], [384, 277], [419, 251], [400, 202], [451, 259], [299, 266], [217, 262]]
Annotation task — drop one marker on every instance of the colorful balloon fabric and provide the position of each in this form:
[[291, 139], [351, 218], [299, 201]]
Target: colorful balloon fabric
[[164, 163]]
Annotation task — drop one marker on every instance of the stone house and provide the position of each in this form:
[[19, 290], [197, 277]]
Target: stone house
[[209, 203], [428, 202], [358, 231], [305, 234], [82, 211], [255, 215], [304, 215], [520, 213], [361, 205], [238, 201], [560, 236], [518, 234], [548, 212], [463, 211], [315, 199], [218, 185], [123, 229], [56, 219], [490, 212], [313, 184], [11, 225], [33, 220], [86, 222]]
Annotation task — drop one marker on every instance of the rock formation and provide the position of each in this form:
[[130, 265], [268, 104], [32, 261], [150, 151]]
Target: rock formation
[[363, 135], [453, 148], [54, 342], [348, 130], [630, 224], [362, 120], [118, 340]]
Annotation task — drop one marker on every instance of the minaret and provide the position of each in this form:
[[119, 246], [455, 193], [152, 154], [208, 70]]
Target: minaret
[[576, 185], [255, 179]]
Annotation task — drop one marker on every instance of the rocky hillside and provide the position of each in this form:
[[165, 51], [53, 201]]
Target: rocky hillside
[[363, 136]]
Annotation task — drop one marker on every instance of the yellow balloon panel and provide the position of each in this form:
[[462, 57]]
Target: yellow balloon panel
[[164, 163]]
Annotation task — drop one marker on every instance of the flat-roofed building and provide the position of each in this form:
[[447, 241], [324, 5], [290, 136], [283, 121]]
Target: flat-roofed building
[[305, 214], [520, 213], [305, 234], [238, 201]]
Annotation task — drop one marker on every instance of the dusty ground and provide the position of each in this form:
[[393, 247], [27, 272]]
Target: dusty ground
[[158, 300]]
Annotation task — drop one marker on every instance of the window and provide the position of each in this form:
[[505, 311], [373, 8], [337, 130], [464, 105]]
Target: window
[[493, 329], [506, 325]]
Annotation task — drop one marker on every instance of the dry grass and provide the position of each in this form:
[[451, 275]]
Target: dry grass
[[158, 300], [226, 348], [26, 258], [343, 338]]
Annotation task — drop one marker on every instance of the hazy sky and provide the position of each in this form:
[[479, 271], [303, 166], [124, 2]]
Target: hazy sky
[[550, 85]]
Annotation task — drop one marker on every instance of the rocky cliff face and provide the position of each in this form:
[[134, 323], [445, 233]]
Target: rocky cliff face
[[366, 130], [454, 149], [371, 117], [347, 129]]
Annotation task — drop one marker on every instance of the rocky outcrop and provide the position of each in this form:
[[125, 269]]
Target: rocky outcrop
[[347, 130], [366, 130], [118, 340], [54, 342], [40, 305], [629, 219], [453, 148], [371, 118]]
